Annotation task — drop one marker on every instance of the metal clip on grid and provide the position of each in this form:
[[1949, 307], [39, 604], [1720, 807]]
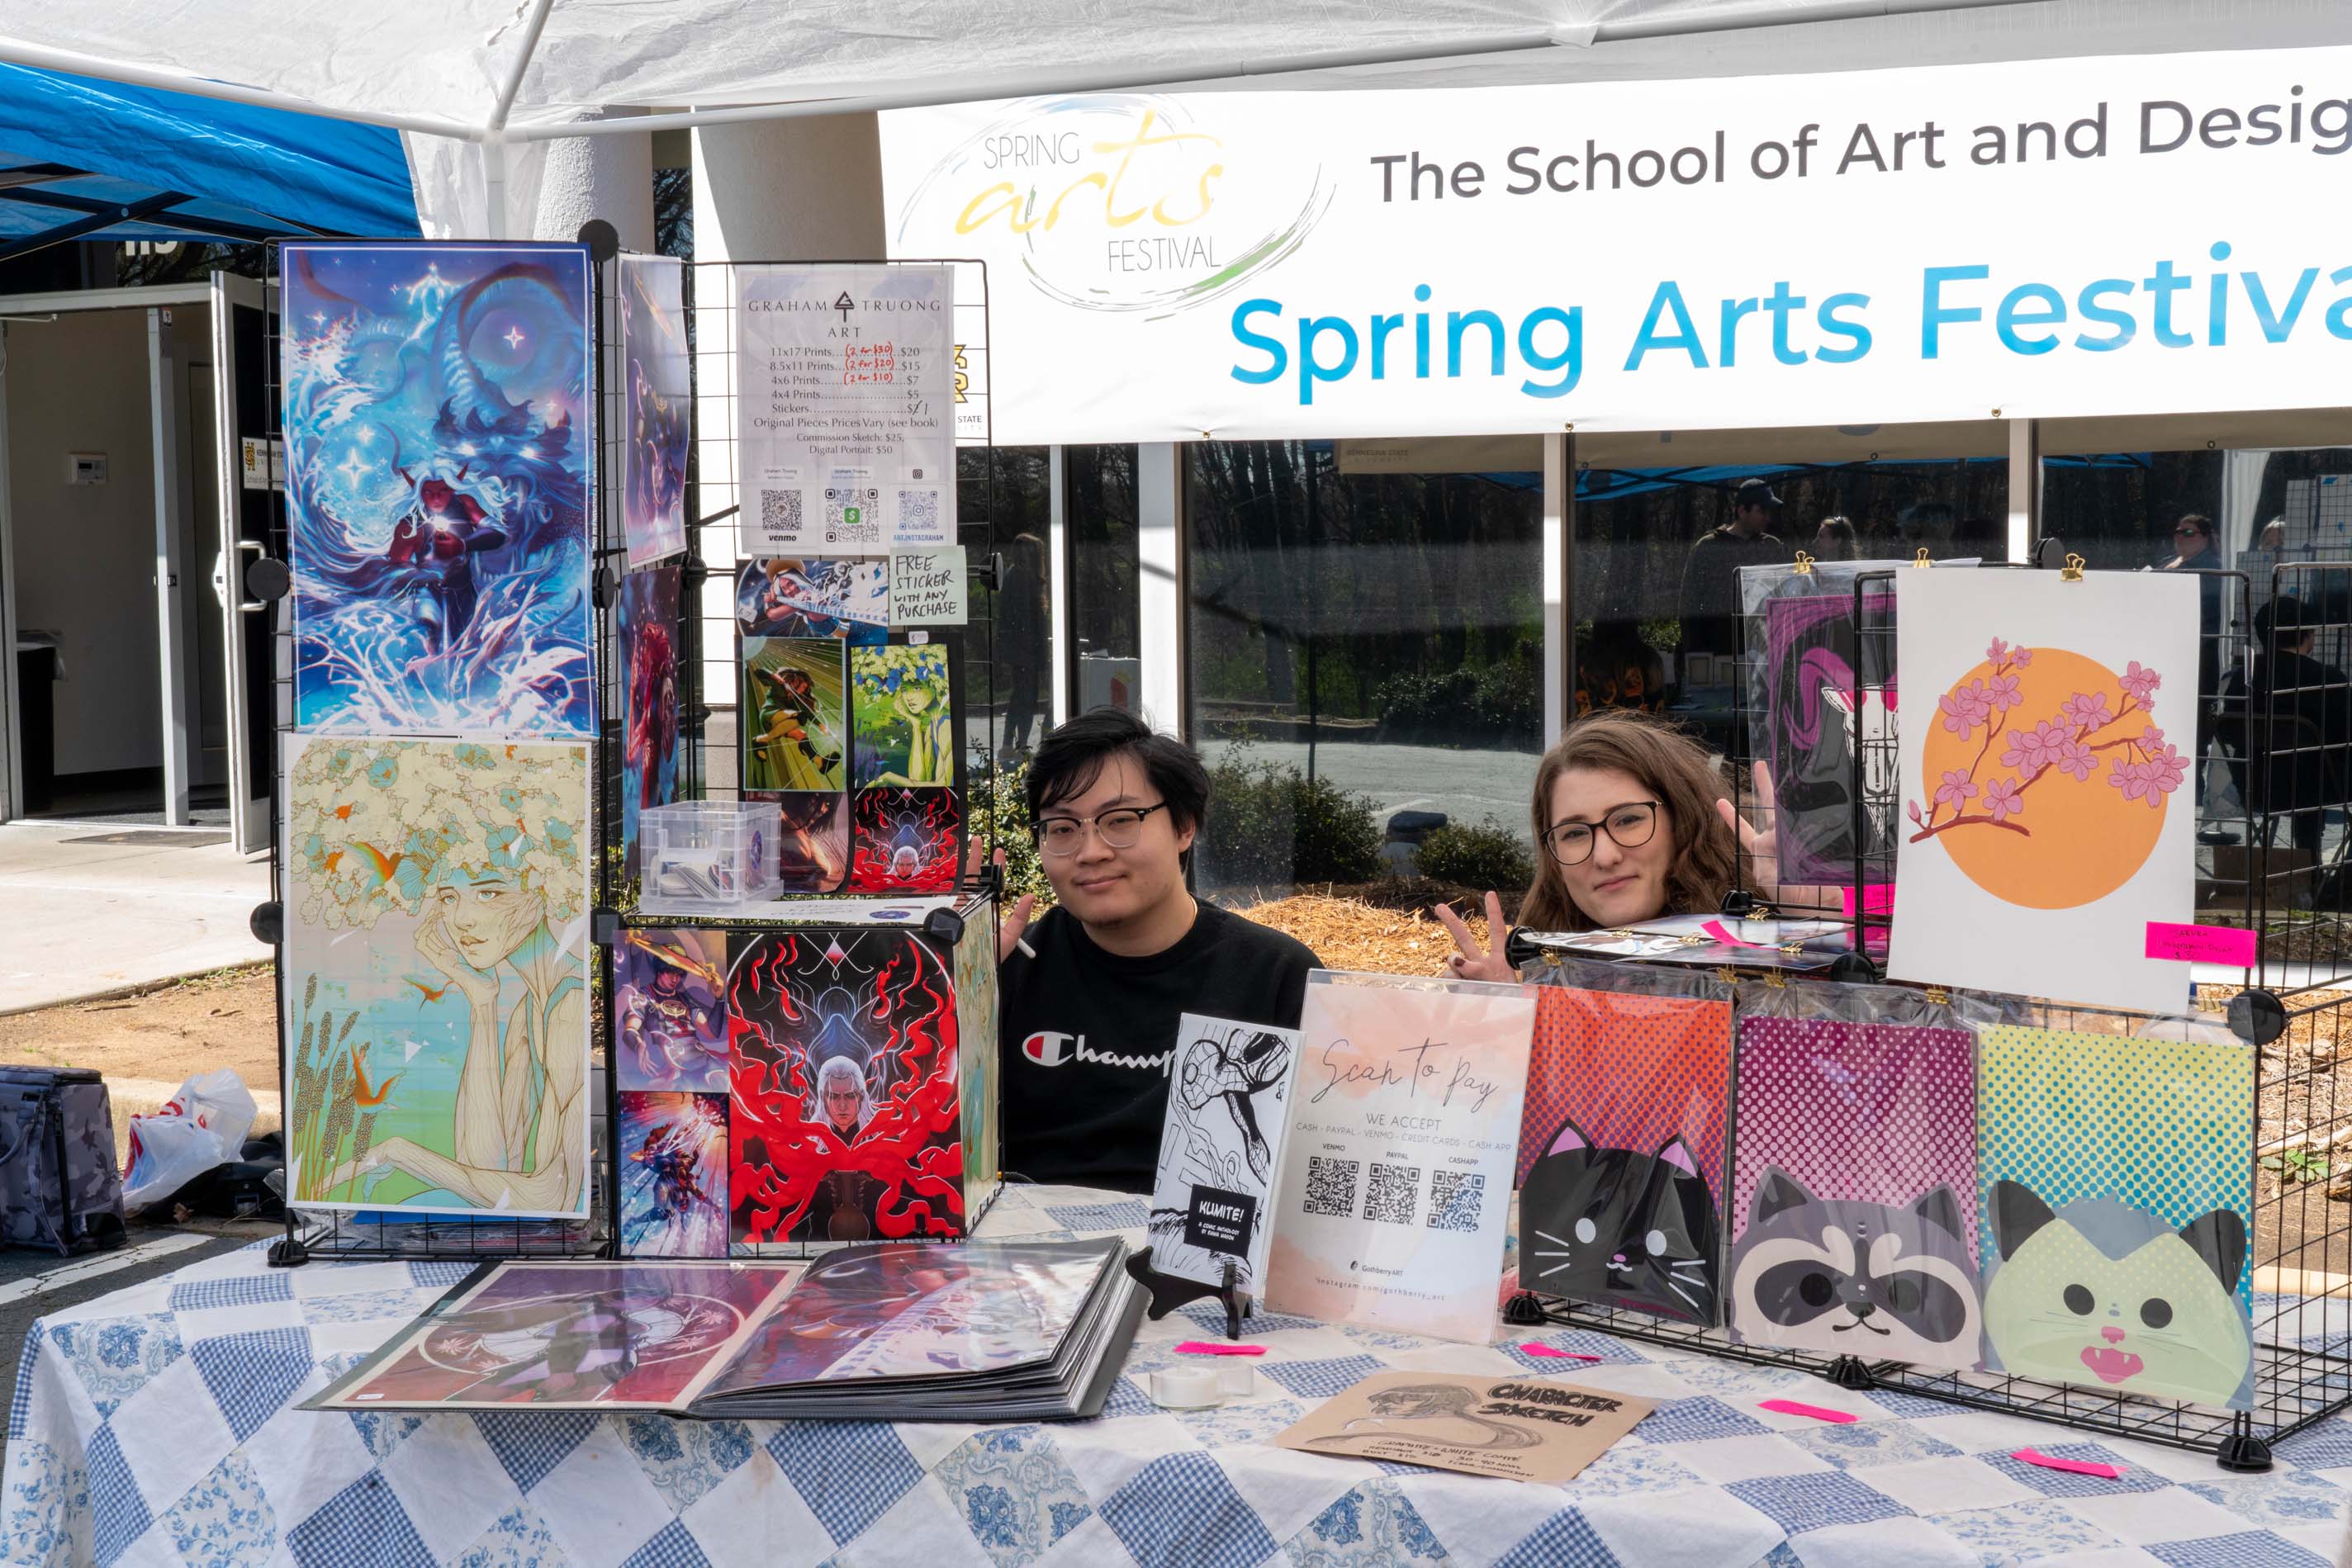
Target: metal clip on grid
[[1804, 567], [1922, 561], [2073, 570]]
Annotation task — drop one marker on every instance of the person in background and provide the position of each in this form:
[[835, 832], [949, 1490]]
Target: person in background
[[1631, 824], [1092, 994], [1710, 588], [1021, 631], [1928, 525], [2195, 550], [1833, 540], [2292, 723], [2273, 539]]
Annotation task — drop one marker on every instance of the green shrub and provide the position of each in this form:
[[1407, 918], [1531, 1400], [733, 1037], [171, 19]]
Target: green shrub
[[1471, 705], [1269, 827], [1487, 856], [999, 800]]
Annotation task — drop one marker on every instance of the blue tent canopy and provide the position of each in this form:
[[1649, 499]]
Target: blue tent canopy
[[84, 159]]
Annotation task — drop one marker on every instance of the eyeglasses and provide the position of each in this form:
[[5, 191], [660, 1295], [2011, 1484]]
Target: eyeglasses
[[1119, 828], [1629, 827], [2188, 533]]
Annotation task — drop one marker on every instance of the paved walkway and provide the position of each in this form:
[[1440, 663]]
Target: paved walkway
[[88, 910]]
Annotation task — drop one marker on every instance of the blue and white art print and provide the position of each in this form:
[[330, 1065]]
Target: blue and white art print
[[437, 416]]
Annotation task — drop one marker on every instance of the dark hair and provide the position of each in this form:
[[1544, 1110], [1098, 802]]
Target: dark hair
[[2279, 626], [1072, 756], [1675, 767], [1841, 533], [2198, 520]]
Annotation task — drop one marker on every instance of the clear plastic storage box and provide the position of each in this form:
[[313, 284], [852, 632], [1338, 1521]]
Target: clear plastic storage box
[[710, 855]]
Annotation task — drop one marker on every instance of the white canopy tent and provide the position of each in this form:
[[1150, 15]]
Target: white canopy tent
[[479, 85]]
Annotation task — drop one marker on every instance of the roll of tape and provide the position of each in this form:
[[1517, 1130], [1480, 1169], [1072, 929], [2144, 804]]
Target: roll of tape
[[1185, 1389], [1236, 1379]]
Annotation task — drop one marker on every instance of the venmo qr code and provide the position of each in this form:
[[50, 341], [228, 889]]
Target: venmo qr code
[[1332, 1186], [918, 511], [780, 512], [851, 516], [1394, 1194]]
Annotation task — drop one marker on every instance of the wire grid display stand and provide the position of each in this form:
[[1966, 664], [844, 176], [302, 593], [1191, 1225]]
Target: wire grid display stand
[[2274, 755], [708, 653], [385, 1235]]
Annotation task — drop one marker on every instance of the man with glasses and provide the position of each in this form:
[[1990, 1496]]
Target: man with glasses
[[1094, 991]]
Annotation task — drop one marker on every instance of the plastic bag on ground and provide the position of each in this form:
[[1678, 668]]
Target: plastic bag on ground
[[202, 1125]]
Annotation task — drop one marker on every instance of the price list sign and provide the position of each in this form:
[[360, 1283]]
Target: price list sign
[[844, 407]]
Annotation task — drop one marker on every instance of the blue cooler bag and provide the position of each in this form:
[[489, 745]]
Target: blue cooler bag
[[59, 1190]]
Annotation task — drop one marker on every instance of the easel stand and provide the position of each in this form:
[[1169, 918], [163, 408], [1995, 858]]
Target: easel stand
[[1168, 1293]]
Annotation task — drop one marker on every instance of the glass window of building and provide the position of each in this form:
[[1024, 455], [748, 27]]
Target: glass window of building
[[1106, 651], [1665, 520], [1366, 630], [1002, 502]]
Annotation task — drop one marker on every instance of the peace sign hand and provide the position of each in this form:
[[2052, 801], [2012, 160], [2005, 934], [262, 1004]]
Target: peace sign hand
[[1474, 962]]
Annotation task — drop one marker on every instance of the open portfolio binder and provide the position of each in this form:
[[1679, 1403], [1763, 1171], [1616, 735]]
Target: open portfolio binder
[[902, 1330]]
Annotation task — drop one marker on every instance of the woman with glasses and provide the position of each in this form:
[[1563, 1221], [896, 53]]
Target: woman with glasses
[[1630, 824], [1095, 992]]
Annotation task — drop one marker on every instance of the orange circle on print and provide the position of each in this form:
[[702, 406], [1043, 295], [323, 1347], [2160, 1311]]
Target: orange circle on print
[[2066, 840]]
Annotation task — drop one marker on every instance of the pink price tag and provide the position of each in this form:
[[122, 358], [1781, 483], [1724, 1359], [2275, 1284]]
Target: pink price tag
[[1791, 1408], [1531, 1348], [2201, 943], [1877, 899], [1203, 1347], [2072, 1466]]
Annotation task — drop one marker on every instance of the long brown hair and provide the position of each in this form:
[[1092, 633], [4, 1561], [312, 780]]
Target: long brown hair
[[1671, 766]]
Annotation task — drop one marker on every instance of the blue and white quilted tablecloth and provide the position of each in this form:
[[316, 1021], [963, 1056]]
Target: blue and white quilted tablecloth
[[154, 1427]]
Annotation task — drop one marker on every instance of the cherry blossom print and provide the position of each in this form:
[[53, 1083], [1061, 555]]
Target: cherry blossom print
[[1956, 791], [2001, 800]]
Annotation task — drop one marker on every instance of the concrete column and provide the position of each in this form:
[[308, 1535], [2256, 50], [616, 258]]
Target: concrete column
[[777, 190], [609, 177], [1160, 584]]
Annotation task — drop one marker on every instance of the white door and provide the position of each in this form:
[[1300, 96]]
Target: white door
[[241, 394]]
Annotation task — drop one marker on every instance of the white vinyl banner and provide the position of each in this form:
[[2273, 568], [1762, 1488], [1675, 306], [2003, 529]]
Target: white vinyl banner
[[2147, 235]]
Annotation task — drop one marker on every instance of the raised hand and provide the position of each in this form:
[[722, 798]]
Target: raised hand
[[1763, 851], [1474, 962], [1014, 922]]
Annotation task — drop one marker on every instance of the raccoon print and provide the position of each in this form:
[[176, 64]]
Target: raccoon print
[[1869, 1279]]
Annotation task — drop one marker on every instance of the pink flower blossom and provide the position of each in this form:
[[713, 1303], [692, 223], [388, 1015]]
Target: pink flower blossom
[[2151, 737], [2139, 682], [1963, 709], [2075, 757], [2086, 711], [2000, 799], [1957, 789], [2131, 778], [1914, 810], [1993, 654], [2031, 750], [2166, 770], [2019, 657], [2002, 693]]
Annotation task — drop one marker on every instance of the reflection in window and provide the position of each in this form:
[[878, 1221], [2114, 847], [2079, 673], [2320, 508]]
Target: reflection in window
[[1002, 504], [1361, 645], [1099, 499], [1656, 549]]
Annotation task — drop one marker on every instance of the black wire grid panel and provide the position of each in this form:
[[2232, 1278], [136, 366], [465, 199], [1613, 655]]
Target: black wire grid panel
[[708, 643], [2274, 755], [706, 634]]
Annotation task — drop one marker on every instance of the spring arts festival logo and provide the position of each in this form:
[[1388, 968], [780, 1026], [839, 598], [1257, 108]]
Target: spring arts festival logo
[[1113, 202]]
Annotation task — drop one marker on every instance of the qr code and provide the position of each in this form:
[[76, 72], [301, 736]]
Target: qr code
[[1394, 1194], [780, 512], [918, 511], [849, 516], [1331, 1186], [1454, 1200]]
